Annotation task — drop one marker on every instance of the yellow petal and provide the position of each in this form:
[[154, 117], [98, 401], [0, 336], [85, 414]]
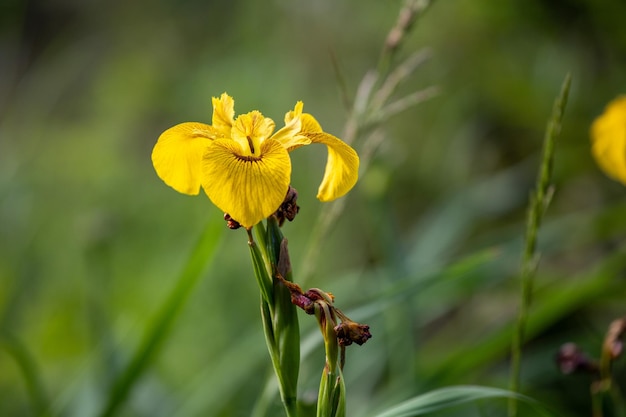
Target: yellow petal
[[342, 167], [250, 130], [309, 124], [289, 136], [307, 121], [608, 137], [177, 155], [248, 189], [223, 114]]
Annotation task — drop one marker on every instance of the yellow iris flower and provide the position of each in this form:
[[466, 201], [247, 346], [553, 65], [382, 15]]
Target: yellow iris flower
[[608, 139], [242, 165]]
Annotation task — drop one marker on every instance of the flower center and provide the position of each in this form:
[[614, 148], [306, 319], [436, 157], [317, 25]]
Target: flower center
[[250, 144], [250, 131]]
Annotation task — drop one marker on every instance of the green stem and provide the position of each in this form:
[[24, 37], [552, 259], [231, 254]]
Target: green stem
[[539, 202], [280, 320], [408, 15]]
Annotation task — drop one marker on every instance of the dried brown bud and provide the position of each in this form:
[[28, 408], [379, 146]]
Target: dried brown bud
[[289, 208], [315, 294], [613, 345], [230, 222], [571, 359], [350, 331]]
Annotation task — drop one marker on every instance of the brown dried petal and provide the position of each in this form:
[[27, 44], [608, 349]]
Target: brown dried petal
[[613, 343], [230, 222], [349, 332], [289, 208]]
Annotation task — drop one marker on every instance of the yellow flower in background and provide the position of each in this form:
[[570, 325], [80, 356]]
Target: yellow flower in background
[[608, 139], [243, 165]]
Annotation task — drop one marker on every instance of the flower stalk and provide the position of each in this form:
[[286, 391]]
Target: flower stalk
[[279, 298], [280, 320], [539, 201]]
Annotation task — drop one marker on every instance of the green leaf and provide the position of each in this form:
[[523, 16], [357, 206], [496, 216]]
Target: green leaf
[[451, 396], [160, 327]]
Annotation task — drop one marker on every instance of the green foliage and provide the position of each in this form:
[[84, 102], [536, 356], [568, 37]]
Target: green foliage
[[453, 396], [425, 249], [158, 330]]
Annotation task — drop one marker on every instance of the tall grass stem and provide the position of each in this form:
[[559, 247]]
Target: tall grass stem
[[538, 204], [370, 109]]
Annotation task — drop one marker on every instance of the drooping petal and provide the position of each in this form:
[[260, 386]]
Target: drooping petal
[[309, 124], [608, 137], [223, 114], [342, 167], [177, 155], [248, 189]]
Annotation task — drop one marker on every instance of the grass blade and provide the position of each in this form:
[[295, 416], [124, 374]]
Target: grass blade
[[159, 330], [539, 202], [27, 365], [452, 396]]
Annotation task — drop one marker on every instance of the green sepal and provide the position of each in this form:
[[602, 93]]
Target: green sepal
[[324, 395], [339, 396], [331, 401]]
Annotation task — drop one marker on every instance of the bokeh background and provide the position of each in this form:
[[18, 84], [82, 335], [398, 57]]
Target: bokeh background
[[427, 250]]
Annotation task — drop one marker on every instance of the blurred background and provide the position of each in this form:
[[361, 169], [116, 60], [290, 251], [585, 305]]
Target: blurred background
[[427, 250]]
